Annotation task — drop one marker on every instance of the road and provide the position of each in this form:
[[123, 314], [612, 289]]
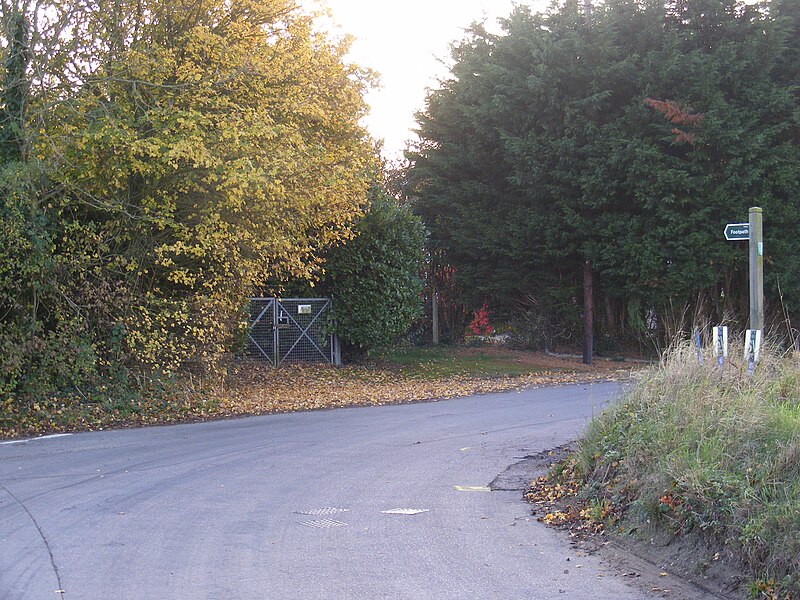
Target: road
[[290, 506]]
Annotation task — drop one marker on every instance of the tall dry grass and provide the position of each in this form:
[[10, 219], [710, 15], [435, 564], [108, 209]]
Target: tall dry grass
[[721, 444]]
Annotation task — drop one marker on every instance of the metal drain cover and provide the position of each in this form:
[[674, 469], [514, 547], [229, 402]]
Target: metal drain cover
[[405, 511], [325, 510], [323, 523]]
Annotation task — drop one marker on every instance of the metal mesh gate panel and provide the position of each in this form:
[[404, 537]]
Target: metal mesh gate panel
[[291, 330], [261, 336]]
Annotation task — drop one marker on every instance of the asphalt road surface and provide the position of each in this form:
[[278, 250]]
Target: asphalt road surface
[[291, 506]]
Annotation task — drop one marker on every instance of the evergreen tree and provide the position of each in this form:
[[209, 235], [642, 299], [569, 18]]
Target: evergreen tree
[[627, 140]]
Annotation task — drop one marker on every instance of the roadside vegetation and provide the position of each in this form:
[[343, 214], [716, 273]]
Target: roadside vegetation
[[431, 362], [391, 376], [705, 453], [160, 164]]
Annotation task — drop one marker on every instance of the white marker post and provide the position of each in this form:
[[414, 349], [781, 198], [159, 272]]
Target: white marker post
[[721, 343], [752, 348], [699, 346]]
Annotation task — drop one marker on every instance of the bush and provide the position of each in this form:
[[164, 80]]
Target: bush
[[374, 278]]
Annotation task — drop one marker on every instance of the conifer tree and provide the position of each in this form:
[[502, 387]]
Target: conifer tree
[[629, 144]]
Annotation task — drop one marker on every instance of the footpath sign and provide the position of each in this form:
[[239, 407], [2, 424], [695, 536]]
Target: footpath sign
[[737, 231]]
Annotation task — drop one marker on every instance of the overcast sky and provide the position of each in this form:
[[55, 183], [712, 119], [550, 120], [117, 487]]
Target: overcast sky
[[405, 42]]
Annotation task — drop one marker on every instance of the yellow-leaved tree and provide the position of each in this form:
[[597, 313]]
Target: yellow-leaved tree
[[190, 150]]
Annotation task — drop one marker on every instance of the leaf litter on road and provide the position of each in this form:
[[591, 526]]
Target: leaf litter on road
[[253, 388], [257, 388]]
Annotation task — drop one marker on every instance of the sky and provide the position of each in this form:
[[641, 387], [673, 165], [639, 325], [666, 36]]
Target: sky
[[405, 42]]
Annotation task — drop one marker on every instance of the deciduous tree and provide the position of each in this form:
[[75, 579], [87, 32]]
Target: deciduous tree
[[184, 152]]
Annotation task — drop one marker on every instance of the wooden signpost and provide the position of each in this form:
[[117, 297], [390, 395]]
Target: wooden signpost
[[752, 232], [756, 270]]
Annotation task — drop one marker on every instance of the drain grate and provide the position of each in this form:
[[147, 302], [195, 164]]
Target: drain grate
[[325, 510], [323, 523]]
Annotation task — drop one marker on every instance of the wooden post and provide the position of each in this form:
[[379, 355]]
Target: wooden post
[[337, 351], [756, 270], [588, 313]]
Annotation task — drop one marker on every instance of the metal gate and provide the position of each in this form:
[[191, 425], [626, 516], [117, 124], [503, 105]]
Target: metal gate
[[291, 330]]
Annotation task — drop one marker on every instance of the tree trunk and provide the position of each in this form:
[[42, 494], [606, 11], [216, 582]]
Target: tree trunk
[[588, 312], [611, 321]]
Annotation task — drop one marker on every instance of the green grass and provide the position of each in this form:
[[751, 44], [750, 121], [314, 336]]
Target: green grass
[[441, 361], [722, 446]]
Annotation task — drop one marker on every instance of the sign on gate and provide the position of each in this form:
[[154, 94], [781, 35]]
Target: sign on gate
[[291, 330]]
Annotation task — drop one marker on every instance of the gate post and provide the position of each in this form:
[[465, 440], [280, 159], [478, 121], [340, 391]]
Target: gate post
[[275, 336], [337, 350]]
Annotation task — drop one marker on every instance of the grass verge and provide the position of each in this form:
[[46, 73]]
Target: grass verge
[[707, 453], [435, 362]]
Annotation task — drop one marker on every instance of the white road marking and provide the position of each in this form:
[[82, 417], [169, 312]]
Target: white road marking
[[405, 511], [43, 437]]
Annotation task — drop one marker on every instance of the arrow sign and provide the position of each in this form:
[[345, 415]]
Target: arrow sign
[[737, 231]]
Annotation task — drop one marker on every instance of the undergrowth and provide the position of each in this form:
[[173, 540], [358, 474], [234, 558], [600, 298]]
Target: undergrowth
[[711, 451]]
